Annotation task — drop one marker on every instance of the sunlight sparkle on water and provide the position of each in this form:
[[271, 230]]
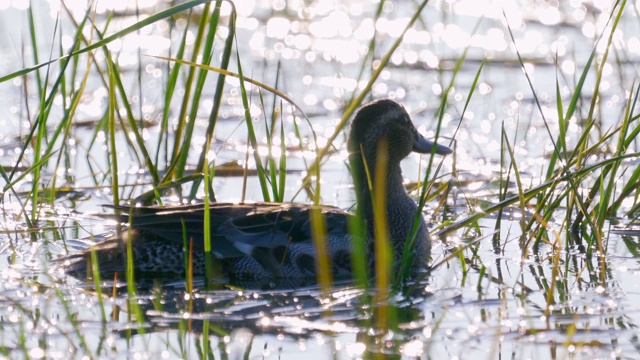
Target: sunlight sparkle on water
[[531, 41], [310, 99], [356, 349], [413, 348], [549, 15], [278, 27], [300, 41], [633, 45], [346, 51], [491, 9], [365, 30], [452, 35], [340, 84], [80, 6], [337, 23], [392, 27], [494, 40], [265, 321], [419, 37], [568, 67], [436, 88], [37, 353]]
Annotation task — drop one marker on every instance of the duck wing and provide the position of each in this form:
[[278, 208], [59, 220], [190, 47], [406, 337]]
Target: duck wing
[[175, 223], [289, 223], [282, 238], [237, 230]]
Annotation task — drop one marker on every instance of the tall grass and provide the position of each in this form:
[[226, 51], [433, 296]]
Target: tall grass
[[568, 169], [580, 187]]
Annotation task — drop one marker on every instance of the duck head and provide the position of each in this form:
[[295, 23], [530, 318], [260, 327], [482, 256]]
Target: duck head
[[382, 128], [389, 121]]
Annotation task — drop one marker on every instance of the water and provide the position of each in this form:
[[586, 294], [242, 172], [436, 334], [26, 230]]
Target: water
[[503, 300]]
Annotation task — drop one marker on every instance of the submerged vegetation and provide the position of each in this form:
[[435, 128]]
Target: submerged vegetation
[[524, 210]]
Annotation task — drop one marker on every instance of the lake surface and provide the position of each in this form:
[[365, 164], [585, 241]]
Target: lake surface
[[492, 294]]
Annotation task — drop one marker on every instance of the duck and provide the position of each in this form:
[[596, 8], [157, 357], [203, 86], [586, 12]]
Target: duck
[[264, 240]]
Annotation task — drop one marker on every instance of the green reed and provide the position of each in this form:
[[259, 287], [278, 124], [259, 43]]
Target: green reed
[[585, 192], [569, 168], [193, 90]]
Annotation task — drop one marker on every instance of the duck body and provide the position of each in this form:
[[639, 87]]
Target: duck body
[[251, 241], [275, 240]]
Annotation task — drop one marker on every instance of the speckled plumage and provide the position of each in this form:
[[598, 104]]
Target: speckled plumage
[[269, 240]]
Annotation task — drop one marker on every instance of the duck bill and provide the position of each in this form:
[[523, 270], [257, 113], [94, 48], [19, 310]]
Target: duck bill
[[424, 146]]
